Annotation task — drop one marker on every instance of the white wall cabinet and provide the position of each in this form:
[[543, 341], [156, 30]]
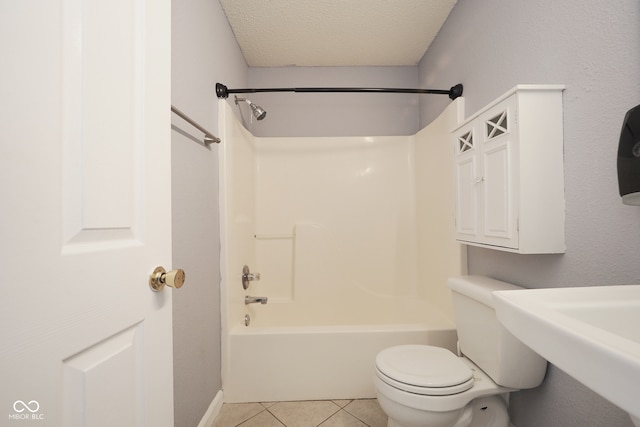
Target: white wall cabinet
[[510, 175]]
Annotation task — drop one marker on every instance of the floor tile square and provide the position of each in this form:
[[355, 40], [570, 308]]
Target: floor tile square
[[343, 419], [232, 414], [304, 413], [368, 411], [263, 419]]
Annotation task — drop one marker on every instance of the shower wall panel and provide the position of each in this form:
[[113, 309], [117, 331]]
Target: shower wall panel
[[439, 255], [333, 214]]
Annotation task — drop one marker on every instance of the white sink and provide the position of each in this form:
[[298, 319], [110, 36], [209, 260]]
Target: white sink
[[591, 333]]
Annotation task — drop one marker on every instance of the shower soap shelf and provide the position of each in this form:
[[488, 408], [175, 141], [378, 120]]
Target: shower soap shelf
[[509, 173]]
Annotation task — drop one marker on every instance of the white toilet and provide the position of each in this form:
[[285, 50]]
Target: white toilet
[[427, 386]]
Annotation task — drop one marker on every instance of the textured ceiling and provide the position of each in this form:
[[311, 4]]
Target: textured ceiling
[[277, 33]]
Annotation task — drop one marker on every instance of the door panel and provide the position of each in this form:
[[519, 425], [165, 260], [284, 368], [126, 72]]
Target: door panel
[[497, 218], [467, 197], [102, 60], [112, 367]]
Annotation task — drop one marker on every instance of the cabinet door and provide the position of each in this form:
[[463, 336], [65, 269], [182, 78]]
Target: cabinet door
[[498, 221], [467, 194], [499, 179]]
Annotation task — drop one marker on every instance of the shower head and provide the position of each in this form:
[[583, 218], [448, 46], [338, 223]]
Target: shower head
[[258, 111]]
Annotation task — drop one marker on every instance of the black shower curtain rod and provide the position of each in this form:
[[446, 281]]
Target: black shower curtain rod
[[223, 92]]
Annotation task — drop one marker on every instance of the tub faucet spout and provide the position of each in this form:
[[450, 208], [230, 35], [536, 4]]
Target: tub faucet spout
[[254, 300]]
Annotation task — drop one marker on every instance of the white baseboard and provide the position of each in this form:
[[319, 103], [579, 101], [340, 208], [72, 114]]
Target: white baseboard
[[212, 411]]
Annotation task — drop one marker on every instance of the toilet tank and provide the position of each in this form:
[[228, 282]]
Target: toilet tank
[[483, 339]]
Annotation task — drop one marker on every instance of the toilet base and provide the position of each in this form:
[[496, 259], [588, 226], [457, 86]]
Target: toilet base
[[488, 411]]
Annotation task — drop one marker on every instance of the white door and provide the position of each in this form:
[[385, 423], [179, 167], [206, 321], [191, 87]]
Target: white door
[[85, 213]]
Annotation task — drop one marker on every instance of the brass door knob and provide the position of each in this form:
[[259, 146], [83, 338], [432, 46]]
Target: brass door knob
[[160, 277]]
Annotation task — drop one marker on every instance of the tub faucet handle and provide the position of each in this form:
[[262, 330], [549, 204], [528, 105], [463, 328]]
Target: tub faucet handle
[[248, 276]]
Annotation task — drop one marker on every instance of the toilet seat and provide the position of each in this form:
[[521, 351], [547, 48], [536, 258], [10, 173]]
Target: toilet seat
[[423, 369]]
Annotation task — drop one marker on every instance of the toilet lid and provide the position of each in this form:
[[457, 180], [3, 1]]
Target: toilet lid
[[424, 366]]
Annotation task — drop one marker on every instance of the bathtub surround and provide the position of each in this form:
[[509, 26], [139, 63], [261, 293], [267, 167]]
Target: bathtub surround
[[341, 231]]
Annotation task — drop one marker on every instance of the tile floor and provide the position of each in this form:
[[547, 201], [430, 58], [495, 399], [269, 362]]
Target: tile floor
[[324, 413]]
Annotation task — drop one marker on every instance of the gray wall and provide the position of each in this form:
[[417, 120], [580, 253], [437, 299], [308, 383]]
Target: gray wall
[[204, 51], [334, 114], [593, 47]]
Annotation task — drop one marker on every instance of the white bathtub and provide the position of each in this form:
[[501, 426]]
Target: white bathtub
[[330, 353]]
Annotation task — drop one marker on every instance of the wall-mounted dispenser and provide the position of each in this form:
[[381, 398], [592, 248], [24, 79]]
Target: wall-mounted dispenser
[[629, 158]]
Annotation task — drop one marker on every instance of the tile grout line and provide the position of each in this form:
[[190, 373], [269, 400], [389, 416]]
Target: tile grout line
[[337, 409], [250, 418], [317, 425], [345, 411], [275, 416], [335, 413], [355, 416]]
